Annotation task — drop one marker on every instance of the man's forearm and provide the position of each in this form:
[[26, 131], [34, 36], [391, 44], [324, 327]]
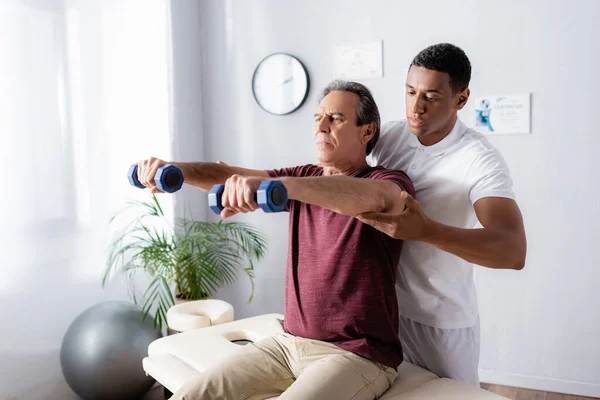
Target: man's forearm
[[342, 194], [204, 175], [489, 247]]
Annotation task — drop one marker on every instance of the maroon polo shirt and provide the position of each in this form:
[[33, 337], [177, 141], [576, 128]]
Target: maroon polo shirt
[[341, 274]]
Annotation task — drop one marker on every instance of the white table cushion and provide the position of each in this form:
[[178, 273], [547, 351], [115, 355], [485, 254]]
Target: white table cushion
[[175, 359], [191, 347], [199, 314], [169, 370]]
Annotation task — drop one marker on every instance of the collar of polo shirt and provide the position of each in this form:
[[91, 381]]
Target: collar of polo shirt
[[443, 145]]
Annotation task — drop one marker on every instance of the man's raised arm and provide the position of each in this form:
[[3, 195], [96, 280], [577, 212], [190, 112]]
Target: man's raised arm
[[347, 195], [203, 175]]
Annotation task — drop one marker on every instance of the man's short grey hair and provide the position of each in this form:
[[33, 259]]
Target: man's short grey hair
[[366, 112]]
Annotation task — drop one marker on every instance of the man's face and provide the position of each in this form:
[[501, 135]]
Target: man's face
[[431, 105], [337, 137]]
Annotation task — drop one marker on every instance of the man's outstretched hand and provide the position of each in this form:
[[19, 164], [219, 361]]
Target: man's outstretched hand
[[410, 224]]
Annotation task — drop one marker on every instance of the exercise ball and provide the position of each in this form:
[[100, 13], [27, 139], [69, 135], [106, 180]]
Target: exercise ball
[[102, 351]]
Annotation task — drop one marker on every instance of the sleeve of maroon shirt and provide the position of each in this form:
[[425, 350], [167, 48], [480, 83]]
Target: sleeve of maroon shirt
[[396, 176]]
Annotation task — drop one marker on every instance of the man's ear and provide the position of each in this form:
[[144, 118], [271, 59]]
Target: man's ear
[[368, 132], [462, 98]]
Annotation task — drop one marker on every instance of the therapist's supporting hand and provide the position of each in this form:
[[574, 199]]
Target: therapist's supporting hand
[[410, 224]]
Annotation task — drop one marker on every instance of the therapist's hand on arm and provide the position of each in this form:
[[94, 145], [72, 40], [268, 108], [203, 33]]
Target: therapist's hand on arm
[[500, 244]]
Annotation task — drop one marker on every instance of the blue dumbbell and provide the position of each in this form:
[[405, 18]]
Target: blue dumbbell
[[271, 197], [168, 178]]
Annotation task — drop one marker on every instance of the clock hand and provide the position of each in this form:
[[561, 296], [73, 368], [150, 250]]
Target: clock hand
[[291, 78]]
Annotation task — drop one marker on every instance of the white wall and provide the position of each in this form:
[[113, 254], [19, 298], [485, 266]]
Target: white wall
[[539, 326], [187, 130], [51, 271]]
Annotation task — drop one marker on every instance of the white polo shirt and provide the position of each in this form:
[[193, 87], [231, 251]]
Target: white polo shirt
[[434, 287]]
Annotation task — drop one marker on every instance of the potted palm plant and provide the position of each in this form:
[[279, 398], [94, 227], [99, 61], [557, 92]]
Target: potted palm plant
[[188, 259]]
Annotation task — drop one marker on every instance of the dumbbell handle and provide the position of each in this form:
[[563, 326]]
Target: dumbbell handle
[[271, 197], [168, 178]]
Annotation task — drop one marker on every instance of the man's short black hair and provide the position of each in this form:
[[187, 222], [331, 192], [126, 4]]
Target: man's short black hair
[[446, 57]]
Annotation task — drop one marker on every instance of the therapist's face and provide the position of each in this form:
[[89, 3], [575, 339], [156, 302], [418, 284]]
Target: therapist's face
[[431, 104]]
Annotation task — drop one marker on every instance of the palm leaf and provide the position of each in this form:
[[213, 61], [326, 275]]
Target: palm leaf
[[193, 259]]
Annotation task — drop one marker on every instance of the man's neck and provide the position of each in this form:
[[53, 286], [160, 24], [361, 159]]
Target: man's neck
[[343, 169]]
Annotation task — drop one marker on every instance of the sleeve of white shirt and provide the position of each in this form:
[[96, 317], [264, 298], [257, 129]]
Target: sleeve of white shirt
[[489, 175], [383, 151]]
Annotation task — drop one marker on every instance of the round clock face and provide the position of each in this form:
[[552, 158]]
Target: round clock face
[[280, 84]]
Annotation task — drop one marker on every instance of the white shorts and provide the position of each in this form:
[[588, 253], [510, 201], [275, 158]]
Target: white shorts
[[448, 353]]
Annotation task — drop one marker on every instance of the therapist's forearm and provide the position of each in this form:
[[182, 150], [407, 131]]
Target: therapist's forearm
[[489, 247]]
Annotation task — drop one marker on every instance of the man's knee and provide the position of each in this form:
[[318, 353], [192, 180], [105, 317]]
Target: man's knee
[[213, 383], [201, 388], [254, 369]]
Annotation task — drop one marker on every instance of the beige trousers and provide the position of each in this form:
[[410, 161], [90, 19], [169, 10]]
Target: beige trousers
[[293, 368]]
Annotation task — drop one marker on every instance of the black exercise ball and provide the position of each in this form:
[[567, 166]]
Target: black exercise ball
[[102, 351]]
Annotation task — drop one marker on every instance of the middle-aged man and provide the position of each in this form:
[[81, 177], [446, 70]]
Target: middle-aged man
[[341, 337], [460, 179]]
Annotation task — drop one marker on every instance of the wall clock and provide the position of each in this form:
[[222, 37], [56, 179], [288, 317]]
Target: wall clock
[[280, 84]]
